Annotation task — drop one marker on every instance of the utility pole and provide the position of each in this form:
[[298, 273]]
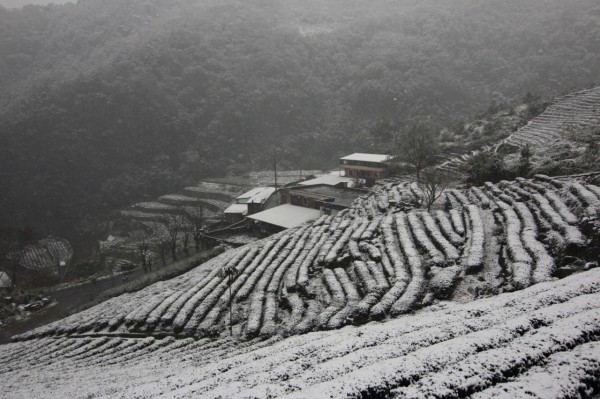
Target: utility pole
[[275, 167]]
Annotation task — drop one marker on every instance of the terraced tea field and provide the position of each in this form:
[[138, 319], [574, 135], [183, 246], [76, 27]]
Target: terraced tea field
[[540, 342], [382, 258], [576, 110], [381, 299]]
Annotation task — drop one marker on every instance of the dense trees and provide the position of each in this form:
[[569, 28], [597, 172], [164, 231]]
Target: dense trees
[[104, 103]]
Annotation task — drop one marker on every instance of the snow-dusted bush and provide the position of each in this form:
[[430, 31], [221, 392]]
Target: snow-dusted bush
[[562, 209], [520, 259], [291, 275], [416, 287], [387, 265], [474, 251], [549, 180], [450, 252], [459, 197], [312, 251], [446, 228], [586, 197], [457, 221], [366, 280], [561, 375], [570, 233], [423, 240], [377, 272], [338, 298], [444, 280], [481, 197], [594, 189], [544, 263], [370, 230], [370, 249]]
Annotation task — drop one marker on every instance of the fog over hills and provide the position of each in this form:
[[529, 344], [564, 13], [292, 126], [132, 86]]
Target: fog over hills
[[21, 3], [119, 101]]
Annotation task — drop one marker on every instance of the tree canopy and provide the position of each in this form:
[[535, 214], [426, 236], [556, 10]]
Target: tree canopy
[[108, 102]]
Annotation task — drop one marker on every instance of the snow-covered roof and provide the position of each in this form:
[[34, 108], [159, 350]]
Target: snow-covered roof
[[330, 180], [5, 281], [241, 209], [287, 215], [258, 194], [358, 156]]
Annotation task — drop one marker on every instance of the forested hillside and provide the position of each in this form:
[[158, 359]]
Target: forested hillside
[[109, 102]]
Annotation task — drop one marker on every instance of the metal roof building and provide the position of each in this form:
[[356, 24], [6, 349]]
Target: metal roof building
[[361, 157], [286, 216]]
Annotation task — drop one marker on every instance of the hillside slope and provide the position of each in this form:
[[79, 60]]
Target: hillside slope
[[376, 260], [107, 103], [541, 342], [554, 128]]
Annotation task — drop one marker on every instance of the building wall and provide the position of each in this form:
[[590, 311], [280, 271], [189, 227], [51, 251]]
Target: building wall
[[299, 199], [364, 172]]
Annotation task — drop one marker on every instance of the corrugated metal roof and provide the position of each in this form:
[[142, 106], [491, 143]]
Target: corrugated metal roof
[[329, 180], [241, 209], [358, 156], [258, 194], [287, 215]]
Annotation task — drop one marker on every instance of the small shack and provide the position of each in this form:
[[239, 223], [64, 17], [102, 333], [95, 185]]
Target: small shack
[[248, 203], [283, 217], [334, 180], [370, 167]]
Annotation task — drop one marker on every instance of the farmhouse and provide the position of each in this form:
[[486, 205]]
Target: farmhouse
[[370, 167], [248, 203]]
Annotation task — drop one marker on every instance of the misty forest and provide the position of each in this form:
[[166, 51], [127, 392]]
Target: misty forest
[[318, 198]]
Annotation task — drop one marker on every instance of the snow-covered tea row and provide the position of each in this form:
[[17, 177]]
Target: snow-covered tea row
[[543, 339], [359, 266], [577, 109]]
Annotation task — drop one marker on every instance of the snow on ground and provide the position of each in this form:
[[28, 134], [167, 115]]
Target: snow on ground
[[541, 342]]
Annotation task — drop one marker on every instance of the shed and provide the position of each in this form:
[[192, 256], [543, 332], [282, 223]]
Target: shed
[[329, 180], [256, 195], [286, 216]]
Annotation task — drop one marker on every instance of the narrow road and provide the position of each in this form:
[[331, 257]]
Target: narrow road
[[68, 300], [65, 302]]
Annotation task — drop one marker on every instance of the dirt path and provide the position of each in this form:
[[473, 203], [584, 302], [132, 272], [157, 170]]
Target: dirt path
[[67, 300]]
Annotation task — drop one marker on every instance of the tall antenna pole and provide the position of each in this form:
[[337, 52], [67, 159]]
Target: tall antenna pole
[[275, 167]]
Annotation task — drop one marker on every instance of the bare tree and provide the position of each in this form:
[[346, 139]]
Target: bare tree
[[6, 245], [18, 249], [418, 146], [196, 217], [143, 250], [230, 273], [185, 237], [162, 247], [433, 183], [174, 227]]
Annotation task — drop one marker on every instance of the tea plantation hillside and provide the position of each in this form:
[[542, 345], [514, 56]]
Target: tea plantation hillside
[[377, 260], [554, 127], [540, 342]]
